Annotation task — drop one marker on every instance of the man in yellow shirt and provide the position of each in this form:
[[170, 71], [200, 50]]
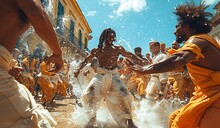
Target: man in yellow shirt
[[176, 79], [199, 54]]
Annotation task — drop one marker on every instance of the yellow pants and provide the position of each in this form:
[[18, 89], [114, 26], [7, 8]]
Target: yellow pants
[[178, 85], [47, 89]]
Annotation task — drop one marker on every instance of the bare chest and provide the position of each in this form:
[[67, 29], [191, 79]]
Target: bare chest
[[107, 58]]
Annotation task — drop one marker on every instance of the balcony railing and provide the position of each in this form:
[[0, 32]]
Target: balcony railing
[[66, 35]]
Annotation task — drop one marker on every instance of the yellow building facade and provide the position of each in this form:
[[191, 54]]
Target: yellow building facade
[[72, 29], [71, 26]]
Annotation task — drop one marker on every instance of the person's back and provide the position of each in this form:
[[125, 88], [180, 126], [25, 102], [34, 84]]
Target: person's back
[[13, 23]]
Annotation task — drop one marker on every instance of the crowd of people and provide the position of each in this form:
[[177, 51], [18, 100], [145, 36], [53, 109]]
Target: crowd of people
[[109, 74]]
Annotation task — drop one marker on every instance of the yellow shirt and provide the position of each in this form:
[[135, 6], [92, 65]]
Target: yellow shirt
[[207, 86]]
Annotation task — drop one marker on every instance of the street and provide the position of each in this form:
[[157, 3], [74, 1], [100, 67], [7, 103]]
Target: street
[[61, 112]]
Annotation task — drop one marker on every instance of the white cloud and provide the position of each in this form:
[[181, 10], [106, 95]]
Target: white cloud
[[112, 2], [127, 5], [91, 13], [208, 2], [111, 16]]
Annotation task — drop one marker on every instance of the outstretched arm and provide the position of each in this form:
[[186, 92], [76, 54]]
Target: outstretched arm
[[176, 60], [43, 27], [131, 56], [83, 63]]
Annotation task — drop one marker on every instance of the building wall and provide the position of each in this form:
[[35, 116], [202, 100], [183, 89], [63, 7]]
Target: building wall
[[216, 22], [216, 33], [71, 12]]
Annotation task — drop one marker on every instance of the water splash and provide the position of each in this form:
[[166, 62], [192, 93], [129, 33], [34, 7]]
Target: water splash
[[147, 113], [155, 114], [28, 39], [48, 6], [81, 117], [122, 42], [30, 36], [66, 18]]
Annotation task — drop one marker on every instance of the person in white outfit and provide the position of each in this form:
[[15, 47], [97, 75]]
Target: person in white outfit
[[156, 86], [17, 106]]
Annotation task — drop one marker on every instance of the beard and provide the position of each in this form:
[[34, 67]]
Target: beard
[[180, 39]]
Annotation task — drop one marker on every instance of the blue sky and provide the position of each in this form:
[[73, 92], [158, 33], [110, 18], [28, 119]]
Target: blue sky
[[136, 22]]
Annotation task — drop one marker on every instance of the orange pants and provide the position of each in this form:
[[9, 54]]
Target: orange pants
[[61, 89], [48, 90]]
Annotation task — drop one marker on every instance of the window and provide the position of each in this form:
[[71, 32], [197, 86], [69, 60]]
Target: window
[[72, 31], [80, 39], [60, 14], [86, 43]]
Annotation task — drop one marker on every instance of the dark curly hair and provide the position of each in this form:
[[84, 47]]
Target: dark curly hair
[[104, 35], [195, 16]]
